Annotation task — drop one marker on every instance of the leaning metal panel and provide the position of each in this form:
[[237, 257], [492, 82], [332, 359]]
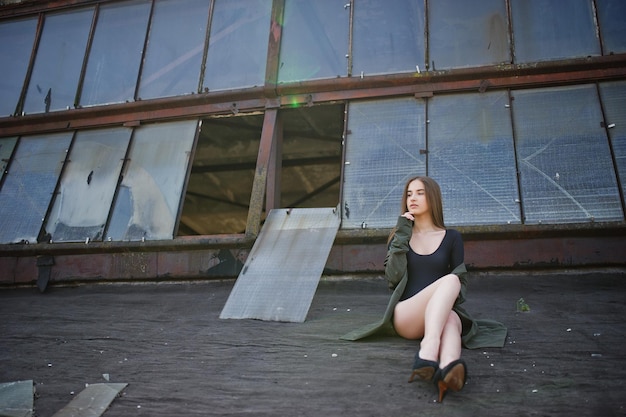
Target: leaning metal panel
[[282, 271]]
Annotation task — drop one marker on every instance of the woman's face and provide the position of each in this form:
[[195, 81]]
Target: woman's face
[[416, 202]]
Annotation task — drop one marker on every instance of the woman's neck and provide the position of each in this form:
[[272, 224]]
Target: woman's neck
[[424, 224]]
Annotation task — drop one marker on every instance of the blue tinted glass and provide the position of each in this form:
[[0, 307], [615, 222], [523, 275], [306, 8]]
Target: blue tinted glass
[[546, 29], [175, 48], [314, 42], [565, 165], [6, 149], [16, 45], [83, 202], [614, 100], [238, 44], [471, 155], [468, 33], [59, 60], [612, 17], [115, 55], [383, 150], [29, 184], [397, 44], [148, 199]]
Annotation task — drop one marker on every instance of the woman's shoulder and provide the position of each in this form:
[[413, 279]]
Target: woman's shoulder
[[453, 234]]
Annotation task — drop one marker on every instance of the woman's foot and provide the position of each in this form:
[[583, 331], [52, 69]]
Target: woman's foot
[[452, 377], [423, 369]]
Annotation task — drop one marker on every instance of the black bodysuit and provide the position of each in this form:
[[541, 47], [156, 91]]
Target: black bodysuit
[[423, 270]]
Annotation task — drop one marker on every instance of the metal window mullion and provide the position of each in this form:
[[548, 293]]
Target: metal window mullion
[[19, 107]]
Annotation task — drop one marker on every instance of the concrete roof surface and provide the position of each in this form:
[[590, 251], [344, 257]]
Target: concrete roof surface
[[563, 357]]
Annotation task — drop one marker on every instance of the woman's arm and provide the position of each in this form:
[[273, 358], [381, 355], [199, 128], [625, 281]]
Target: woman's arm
[[395, 261]]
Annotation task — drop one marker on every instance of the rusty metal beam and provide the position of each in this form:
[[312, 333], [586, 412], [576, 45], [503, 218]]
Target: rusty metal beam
[[320, 91], [259, 184]]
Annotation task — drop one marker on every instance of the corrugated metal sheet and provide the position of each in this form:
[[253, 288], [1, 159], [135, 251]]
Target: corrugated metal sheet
[[280, 276]]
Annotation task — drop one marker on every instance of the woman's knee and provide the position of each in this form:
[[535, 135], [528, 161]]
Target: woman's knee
[[452, 282]]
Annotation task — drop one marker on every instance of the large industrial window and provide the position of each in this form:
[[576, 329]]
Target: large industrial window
[[175, 48], [238, 43], [468, 33], [385, 146], [59, 60], [314, 42], [565, 164], [16, 45], [116, 53], [614, 100], [149, 196], [471, 155], [82, 204], [546, 29], [29, 184], [396, 44], [611, 16]]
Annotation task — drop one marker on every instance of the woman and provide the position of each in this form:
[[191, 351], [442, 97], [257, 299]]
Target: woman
[[425, 267]]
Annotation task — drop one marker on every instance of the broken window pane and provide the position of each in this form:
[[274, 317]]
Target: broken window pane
[[614, 101], [29, 184], [384, 148], [219, 188], [113, 64], [468, 33], [611, 16], [238, 44], [565, 165], [388, 36], [82, 205], [471, 155], [6, 149], [148, 199], [314, 41], [547, 29], [16, 45], [175, 48], [59, 60]]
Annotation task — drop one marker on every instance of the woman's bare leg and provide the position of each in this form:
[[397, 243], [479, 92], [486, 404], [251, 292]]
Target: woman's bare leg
[[426, 314], [450, 347]]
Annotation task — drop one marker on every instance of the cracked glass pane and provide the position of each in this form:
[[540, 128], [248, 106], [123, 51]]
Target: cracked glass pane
[[468, 33], [471, 155], [397, 43], [238, 44], [29, 184], [16, 45], [82, 205], [149, 196], [113, 63], [565, 164], [58, 62], [547, 29], [614, 101], [383, 150], [175, 48], [314, 41]]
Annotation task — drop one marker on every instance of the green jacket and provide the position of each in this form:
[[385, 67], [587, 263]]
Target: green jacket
[[477, 333]]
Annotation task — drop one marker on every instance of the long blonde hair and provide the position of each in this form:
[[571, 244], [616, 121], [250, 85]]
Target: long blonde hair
[[433, 197]]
